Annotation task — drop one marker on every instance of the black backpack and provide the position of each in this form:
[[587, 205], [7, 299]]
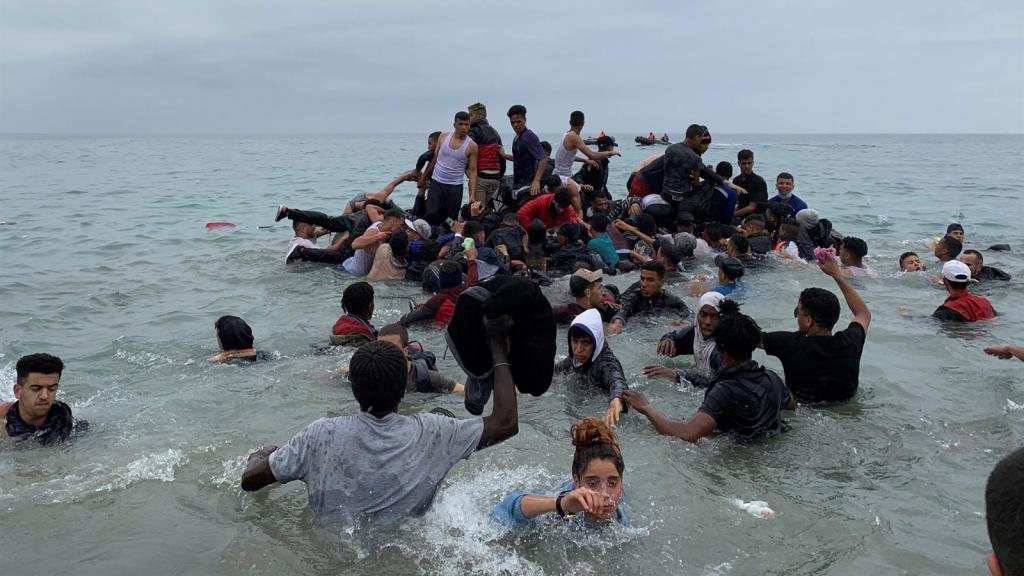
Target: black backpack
[[424, 363]]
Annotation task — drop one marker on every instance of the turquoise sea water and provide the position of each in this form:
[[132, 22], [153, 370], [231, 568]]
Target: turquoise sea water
[[110, 267]]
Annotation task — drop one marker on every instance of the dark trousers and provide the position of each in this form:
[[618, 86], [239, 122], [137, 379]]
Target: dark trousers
[[341, 223], [443, 201], [317, 255]]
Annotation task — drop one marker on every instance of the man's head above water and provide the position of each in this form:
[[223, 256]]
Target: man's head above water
[[377, 372]]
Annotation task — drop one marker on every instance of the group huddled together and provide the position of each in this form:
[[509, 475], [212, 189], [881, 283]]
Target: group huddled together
[[484, 260]]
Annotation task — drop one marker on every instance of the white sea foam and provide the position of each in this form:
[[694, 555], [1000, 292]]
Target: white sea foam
[[756, 508]]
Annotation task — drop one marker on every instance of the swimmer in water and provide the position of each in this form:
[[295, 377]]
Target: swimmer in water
[[742, 398], [910, 262], [36, 412], [956, 231], [423, 375], [234, 338], [592, 495], [379, 462], [697, 340], [593, 362], [851, 253], [353, 328]]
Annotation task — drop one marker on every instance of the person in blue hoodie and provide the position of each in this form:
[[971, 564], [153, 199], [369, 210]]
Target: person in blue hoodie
[[592, 360], [593, 496]]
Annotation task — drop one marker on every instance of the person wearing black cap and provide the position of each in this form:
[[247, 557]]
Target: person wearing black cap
[[756, 199], [648, 295], [685, 223], [956, 231], [596, 177]]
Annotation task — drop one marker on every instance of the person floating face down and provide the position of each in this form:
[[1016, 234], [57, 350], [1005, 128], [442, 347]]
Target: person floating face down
[[235, 341], [36, 413], [742, 398], [594, 494], [379, 463], [592, 361]]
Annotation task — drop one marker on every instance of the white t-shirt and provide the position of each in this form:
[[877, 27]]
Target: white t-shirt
[[361, 262], [304, 242]]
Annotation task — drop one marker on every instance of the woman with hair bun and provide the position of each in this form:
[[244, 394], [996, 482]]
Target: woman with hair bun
[[742, 398], [593, 494]]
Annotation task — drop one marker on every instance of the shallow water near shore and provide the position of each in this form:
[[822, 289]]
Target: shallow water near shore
[[110, 267]]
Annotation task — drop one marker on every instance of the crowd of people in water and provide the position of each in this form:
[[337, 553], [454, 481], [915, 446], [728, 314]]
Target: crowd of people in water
[[483, 258]]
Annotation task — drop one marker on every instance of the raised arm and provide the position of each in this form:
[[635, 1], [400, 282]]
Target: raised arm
[[503, 422], [582, 147], [861, 314], [385, 192]]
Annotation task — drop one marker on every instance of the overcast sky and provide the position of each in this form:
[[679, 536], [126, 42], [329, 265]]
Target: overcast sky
[[333, 66]]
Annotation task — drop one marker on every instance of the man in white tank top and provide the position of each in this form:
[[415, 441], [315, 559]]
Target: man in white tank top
[[565, 156], [455, 156]]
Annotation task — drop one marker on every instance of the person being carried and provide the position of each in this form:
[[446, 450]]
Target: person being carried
[[592, 361], [235, 342], [646, 296], [784, 184], [454, 158], [961, 305], [423, 375], [979, 271], [821, 366], [353, 328], [851, 253], [697, 340], [1004, 501], [742, 398], [594, 493], [389, 262], [587, 287], [380, 463], [36, 412]]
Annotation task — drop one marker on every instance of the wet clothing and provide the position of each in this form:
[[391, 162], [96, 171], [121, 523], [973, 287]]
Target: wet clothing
[[364, 465], [510, 513], [990, 273], [689, 340], [793, 205], [681, 162], [564, 158], [819, 368], [450, 165], [259, 356], [566, 313], [724, 204], [424, 159], [962, 306], [361, 260], [526, 154], [540, 209], [443, 201], [295, 242], [603, 370], [821, 235], [760, 244], [511, 237], [350, 330], [602, 244], [59, 425], [565, 257], [746, 400], [594, 177], [633, 303], [422, 377], [386, 266], [757, 192], [648, 180]]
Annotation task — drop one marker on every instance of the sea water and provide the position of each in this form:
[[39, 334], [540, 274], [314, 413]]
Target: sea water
[[110, 267]]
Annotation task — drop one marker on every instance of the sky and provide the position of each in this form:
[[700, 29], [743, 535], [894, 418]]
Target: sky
[[241, 67]]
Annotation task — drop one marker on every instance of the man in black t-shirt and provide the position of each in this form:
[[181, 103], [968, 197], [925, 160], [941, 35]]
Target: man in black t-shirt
[[821, 366], [742, 397], [756, 199]]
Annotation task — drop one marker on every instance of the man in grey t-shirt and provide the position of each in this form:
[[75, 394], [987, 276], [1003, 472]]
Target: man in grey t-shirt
[[379, 462]]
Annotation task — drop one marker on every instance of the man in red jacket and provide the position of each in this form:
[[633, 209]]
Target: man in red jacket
[[961, 305], [551, 209]]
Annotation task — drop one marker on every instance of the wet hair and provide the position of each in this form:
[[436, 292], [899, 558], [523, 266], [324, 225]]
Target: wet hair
[[744, 155], [724, 169], [654, 266], [40, 363], [462, 116], [735, 333], [694, 130], [855, 246], [601, 194], [1004, 504], [953, 246], [536, 232], [296, 224], [756, 219], [789, 228], [576, 118], [434, 135], [777, 209], [472, 228], [563, 198], [785, 176], [577, 286], [647, 224], [571, 232], [429, 250], [954, 226], [517, 110], [233, 333], [976, 254], [906, 255], [594, 441], [551, 182], [399, 243], [713, 230], [378, 372], [599, 223], [821, 305], [395, 329], [546, 146], [357, 298], [740, 242], [394, 212]]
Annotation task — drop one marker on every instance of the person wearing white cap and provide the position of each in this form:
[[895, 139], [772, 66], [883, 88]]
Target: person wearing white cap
[[692, 339], [961, 305]]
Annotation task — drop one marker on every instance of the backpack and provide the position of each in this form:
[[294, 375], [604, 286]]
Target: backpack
[[424, 363]]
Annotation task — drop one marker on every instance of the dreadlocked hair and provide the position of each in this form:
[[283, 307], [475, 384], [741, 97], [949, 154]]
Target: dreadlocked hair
[[736, 333], [377, 372], [594, 441]]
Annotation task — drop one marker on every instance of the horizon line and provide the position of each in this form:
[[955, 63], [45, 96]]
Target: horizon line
[[404, 133]]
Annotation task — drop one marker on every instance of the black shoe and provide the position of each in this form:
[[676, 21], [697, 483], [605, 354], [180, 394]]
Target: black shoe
[[282, 212], [298, 253]]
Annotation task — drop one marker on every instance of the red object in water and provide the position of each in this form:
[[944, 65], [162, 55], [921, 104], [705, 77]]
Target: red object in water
[[212, 225]]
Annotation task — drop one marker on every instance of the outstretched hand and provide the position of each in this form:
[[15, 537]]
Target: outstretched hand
[[1001, 352], [663, 372], [636, 401]]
